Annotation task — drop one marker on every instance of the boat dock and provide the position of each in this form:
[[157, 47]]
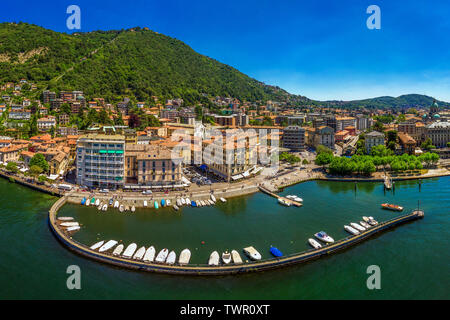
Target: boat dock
[[290, 201]]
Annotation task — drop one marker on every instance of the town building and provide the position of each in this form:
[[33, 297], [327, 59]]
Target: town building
[[342, 122], [439, 133], [407, 143], [373, 139], [294, 138], [44, 124]]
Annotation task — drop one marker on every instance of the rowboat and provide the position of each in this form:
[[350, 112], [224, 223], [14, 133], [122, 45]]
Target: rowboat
[[175, 207], [105, 207], [97, 245], [204, 203], [226, 257], [322, 235], [65, 218], [199, 203], [69, 224], [127, 207], [392, 207], [121, 208], [88, 203], [193, 203], [118, 250], [116, 204], [213, 198], [92, 200], [252, 253], [156, 204], [73, 228], [99, 207], [351, 230], [214, 259], [139, 253], [275, 252], [162, 255], [83, 201], [171, 257], [97, 202], [145, 203], [179, 203], [108, 245], [188, 201], [111, 201], [128, 253], [168, 202], [236, 257], [185, 256], [133, 209], [223, 199], [183, 201], [150, 254], [314, 243], [357, 226], [163, 203]]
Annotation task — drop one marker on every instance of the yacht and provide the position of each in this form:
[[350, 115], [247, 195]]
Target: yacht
[[322, 235], [226, 257], [351, 230], [357, 226], [314, 243], [284, 202], [372, 221], [69, 224]]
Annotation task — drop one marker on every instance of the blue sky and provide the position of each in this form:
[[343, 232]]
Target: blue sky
[[318, 48]]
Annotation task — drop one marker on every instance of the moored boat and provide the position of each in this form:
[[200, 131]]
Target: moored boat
[[97, 245], [162, 255], [108, 245], [69, 224], [163, 203], [92, 200], [105, 207], [176, 207], [188, 201], [364, 224], [83, 201], [133, 208], [139, 253], [97, 202], [127, 207], [145, 203], [193, 203], [351, 230], [372, 221], [357, 226], [168, 202], [236, 257], [73, 228], [183, 201], [185, 256], [213, 198], [121, 208], [116, 204], [171, 257], [88, 202], [284, 202], [314, 243], [393, 207], [223, 199], [226, 257], [179, 204], [214, 259], [118, 250], [65, 218], [156, 204], [128, 253], [150, 254], [276, 252], [111, 201], [252, 253], [322, 235]]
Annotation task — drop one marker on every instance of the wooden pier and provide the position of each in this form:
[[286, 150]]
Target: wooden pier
[[290, 201]]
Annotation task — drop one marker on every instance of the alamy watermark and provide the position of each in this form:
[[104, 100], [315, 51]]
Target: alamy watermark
[[74, 280], [74, 20], [374, 280], [374, 20]]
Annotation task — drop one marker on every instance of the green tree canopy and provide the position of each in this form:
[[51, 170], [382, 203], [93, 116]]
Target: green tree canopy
[[39, 160]]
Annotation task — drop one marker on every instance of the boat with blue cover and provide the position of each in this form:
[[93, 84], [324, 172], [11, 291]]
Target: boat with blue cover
[[275, 252], [193, 203], [83, 201], [163, 203]]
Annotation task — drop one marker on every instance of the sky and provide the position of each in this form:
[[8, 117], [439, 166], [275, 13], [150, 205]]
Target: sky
[[321, 49]]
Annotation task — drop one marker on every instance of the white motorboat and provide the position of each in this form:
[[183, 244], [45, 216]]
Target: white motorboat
[[365, 219], [162, 255], [116, 204], [204, 204], [372, 221], [133, 209], [351, 230], [179, 203], [226, 257], [73, 228], [88, 202], [150, 254], [252, 253], [199, 203], [223, 199], [176, 207], [97, 202], [105, 207], [357, 226], [108, 245], [236, 257], [121, 208], [364, 224], [314, 243], [183, 201], [322, 235], [118, 250], [99, 207], [214, 259], [69, 224], [65, 218], [213, 198], [185, 256], [284, 202], [139, 253], [127, 207], [129, 251], [97, 245], [188, 201], [211, 202], [168, 202], [145, 203], [294, 197], [171, 258]]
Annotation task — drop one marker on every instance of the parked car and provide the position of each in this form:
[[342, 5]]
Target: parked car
[[104, 190]]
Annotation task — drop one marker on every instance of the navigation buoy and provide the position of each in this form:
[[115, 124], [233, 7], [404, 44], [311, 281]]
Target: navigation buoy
[[203, 242]]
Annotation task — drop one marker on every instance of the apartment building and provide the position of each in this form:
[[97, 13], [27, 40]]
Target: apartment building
[[44, 124], [373, 139], [439, 133], [342, 122], [294, 138]]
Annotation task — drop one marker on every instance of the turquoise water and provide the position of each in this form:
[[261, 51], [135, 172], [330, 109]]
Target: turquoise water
[[413, 258]]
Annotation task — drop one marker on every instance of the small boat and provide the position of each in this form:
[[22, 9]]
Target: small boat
[[121, 208], [275, 252], [193, 203], [176, 207], [183, 201], [88, 203], [162, 255], [185, 256], [364, 224], [226, 257], [73, 228], [65, 218], [156, 204], [322, 235], [365, 219], [351, 230], [92, 200], [97, 202], [168, 202], [111, 201], [213, 198], [214, 259], [203, 203], [171, 257], [372, 221], [357, 226], [252, 253], [314, 243], [127, 207], [150, 254], [83, 201], [116, 204], [108, 245], [163, 203], [223, 199], [188, 201], [284, 202], [128, 253], [294, 197], [97, 245], [392, 207], [211, 202], [69, 224], [99, 208], [118, 250], [145, 203], [199, 203], [179, 202], [105, 207], [139, 253], [133, 209], [236, 257]]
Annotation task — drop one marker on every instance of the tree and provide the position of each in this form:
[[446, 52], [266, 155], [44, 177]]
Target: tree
[[305, 162], [427, 145], [322, 149], [324, 158], [378, 126], [12, 167], [39, 160], [36, 170]]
